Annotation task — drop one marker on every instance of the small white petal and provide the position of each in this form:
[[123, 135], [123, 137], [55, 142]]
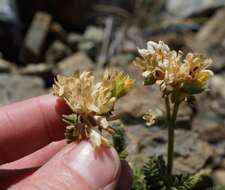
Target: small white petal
[[95, 138], [151, 46], [103, 122], [143, 52], [146, 73], [163, 46], [164, 63]]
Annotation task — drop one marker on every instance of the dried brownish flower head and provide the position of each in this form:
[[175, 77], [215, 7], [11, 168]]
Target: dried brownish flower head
[[91, 102], [152, 117], [172, 70]]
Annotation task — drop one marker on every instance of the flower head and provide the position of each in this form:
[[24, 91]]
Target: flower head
[[91, 102], [172, 70], [118, 83], [153, 116], [195, 65], [150, 118]]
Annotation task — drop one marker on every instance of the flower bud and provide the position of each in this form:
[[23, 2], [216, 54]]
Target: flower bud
[[149, 80]]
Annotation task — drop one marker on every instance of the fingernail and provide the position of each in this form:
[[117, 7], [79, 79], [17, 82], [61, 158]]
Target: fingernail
[[98, 168]]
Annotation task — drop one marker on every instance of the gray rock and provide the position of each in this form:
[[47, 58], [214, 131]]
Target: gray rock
[[5, 66], [15, 88], [183, 8], [73, 39], [35, 38], [45, 71], [8, 11], [209, 40], [40, 69], [216, 86], [78, 61], [94, 33], [91, 38], [56, 52], [210, 127], [191, 153]]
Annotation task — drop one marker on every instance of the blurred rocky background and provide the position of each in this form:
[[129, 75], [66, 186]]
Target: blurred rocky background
[[42, 38]]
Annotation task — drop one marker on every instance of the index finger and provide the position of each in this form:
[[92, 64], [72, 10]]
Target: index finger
[[30, 125]]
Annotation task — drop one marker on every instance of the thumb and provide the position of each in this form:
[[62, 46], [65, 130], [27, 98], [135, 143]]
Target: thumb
[[76, 167]]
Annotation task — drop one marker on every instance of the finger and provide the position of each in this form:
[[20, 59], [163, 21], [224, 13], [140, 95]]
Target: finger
[[9, 177], [76, 167], [29, 125], [37, 158], [12, 172], [125, 180]]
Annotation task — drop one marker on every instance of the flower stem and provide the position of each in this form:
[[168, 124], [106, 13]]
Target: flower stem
[[167, 103], [171, 120]]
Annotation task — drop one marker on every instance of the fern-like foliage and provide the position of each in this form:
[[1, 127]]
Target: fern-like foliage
[[182, 182], [155, 172], [123, 155], [119, 141], [153, 176], [139, 181]]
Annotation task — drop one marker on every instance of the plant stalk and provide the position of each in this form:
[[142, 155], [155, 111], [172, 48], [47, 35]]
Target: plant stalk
[[171, 120]]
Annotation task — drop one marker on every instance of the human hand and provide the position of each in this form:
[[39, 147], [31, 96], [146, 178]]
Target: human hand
[[28, 161]]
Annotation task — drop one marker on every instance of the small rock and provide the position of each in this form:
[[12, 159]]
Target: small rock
[[219, 177], [35, 38], [94, 33], [56, 52], [188, 8], [78, 61], [91, 38], [41, 70], [86, 46], [16, 87], [36, 69], [5, 66], [73, 39], [8, 11], [209, 40], [216, 86]]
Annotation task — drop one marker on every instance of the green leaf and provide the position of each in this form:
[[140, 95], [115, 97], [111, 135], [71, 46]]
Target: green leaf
[[139, 182], [123, 155], [69, 134], [119, 139], [71, 119]]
